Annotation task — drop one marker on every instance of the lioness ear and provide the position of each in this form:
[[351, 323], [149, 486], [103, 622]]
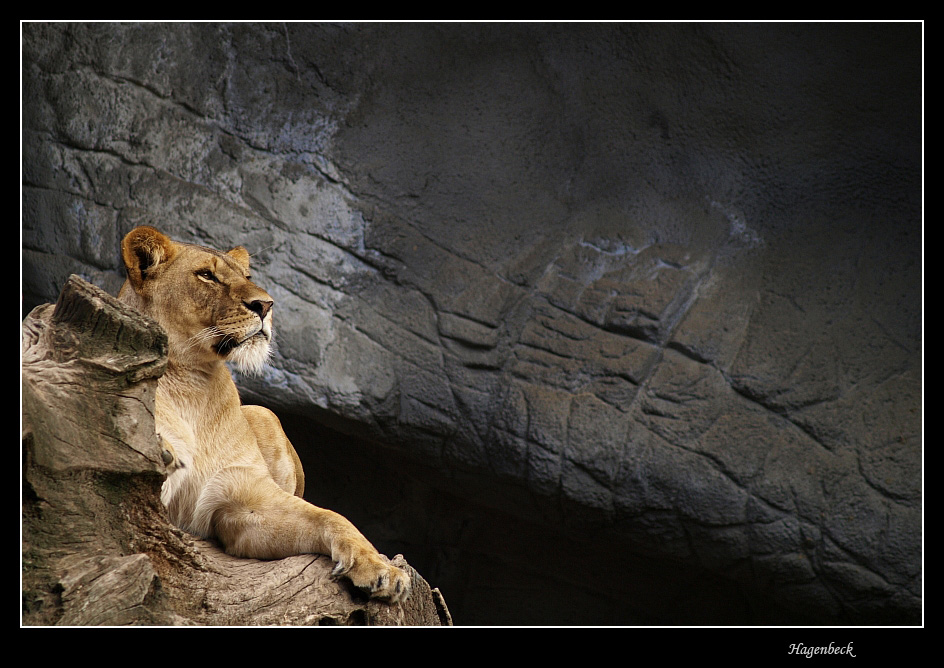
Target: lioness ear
[[241, 255], [142, 249]]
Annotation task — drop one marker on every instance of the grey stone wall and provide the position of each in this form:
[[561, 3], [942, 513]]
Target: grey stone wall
[[628, 315]]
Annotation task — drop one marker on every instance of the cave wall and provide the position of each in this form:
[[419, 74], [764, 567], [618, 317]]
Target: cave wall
[[653, 290]]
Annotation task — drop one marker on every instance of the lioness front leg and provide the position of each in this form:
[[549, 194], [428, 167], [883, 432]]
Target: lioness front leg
[[280, 457], [262, 521]]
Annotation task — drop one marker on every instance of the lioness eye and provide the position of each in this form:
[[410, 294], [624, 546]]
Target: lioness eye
[[207, 275]]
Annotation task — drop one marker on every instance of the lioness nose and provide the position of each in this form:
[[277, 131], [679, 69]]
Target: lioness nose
[[260, 306]]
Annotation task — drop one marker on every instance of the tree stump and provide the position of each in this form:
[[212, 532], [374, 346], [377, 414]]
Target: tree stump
[[97, 547]]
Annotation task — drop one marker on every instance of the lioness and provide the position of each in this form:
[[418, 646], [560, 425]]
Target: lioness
[[233, 474]]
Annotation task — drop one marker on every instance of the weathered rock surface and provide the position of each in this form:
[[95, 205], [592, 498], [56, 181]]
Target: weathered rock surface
[[97, 546], [649, 289]]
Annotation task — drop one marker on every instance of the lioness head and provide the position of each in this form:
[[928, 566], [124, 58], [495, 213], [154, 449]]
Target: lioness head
[[203, 299]]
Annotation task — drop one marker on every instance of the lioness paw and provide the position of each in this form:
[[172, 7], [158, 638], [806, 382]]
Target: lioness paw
[[169, 455], [374, 575]]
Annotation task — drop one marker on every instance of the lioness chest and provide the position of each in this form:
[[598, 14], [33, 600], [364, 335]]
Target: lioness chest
[[206, 434]]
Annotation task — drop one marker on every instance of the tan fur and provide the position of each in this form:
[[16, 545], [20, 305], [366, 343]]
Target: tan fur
[[232, 473]]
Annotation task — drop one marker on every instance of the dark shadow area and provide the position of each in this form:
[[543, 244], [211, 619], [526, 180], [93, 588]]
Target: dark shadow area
[[509, 567]]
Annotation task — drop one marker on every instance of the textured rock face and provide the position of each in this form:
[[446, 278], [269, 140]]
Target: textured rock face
[[657, 285]]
